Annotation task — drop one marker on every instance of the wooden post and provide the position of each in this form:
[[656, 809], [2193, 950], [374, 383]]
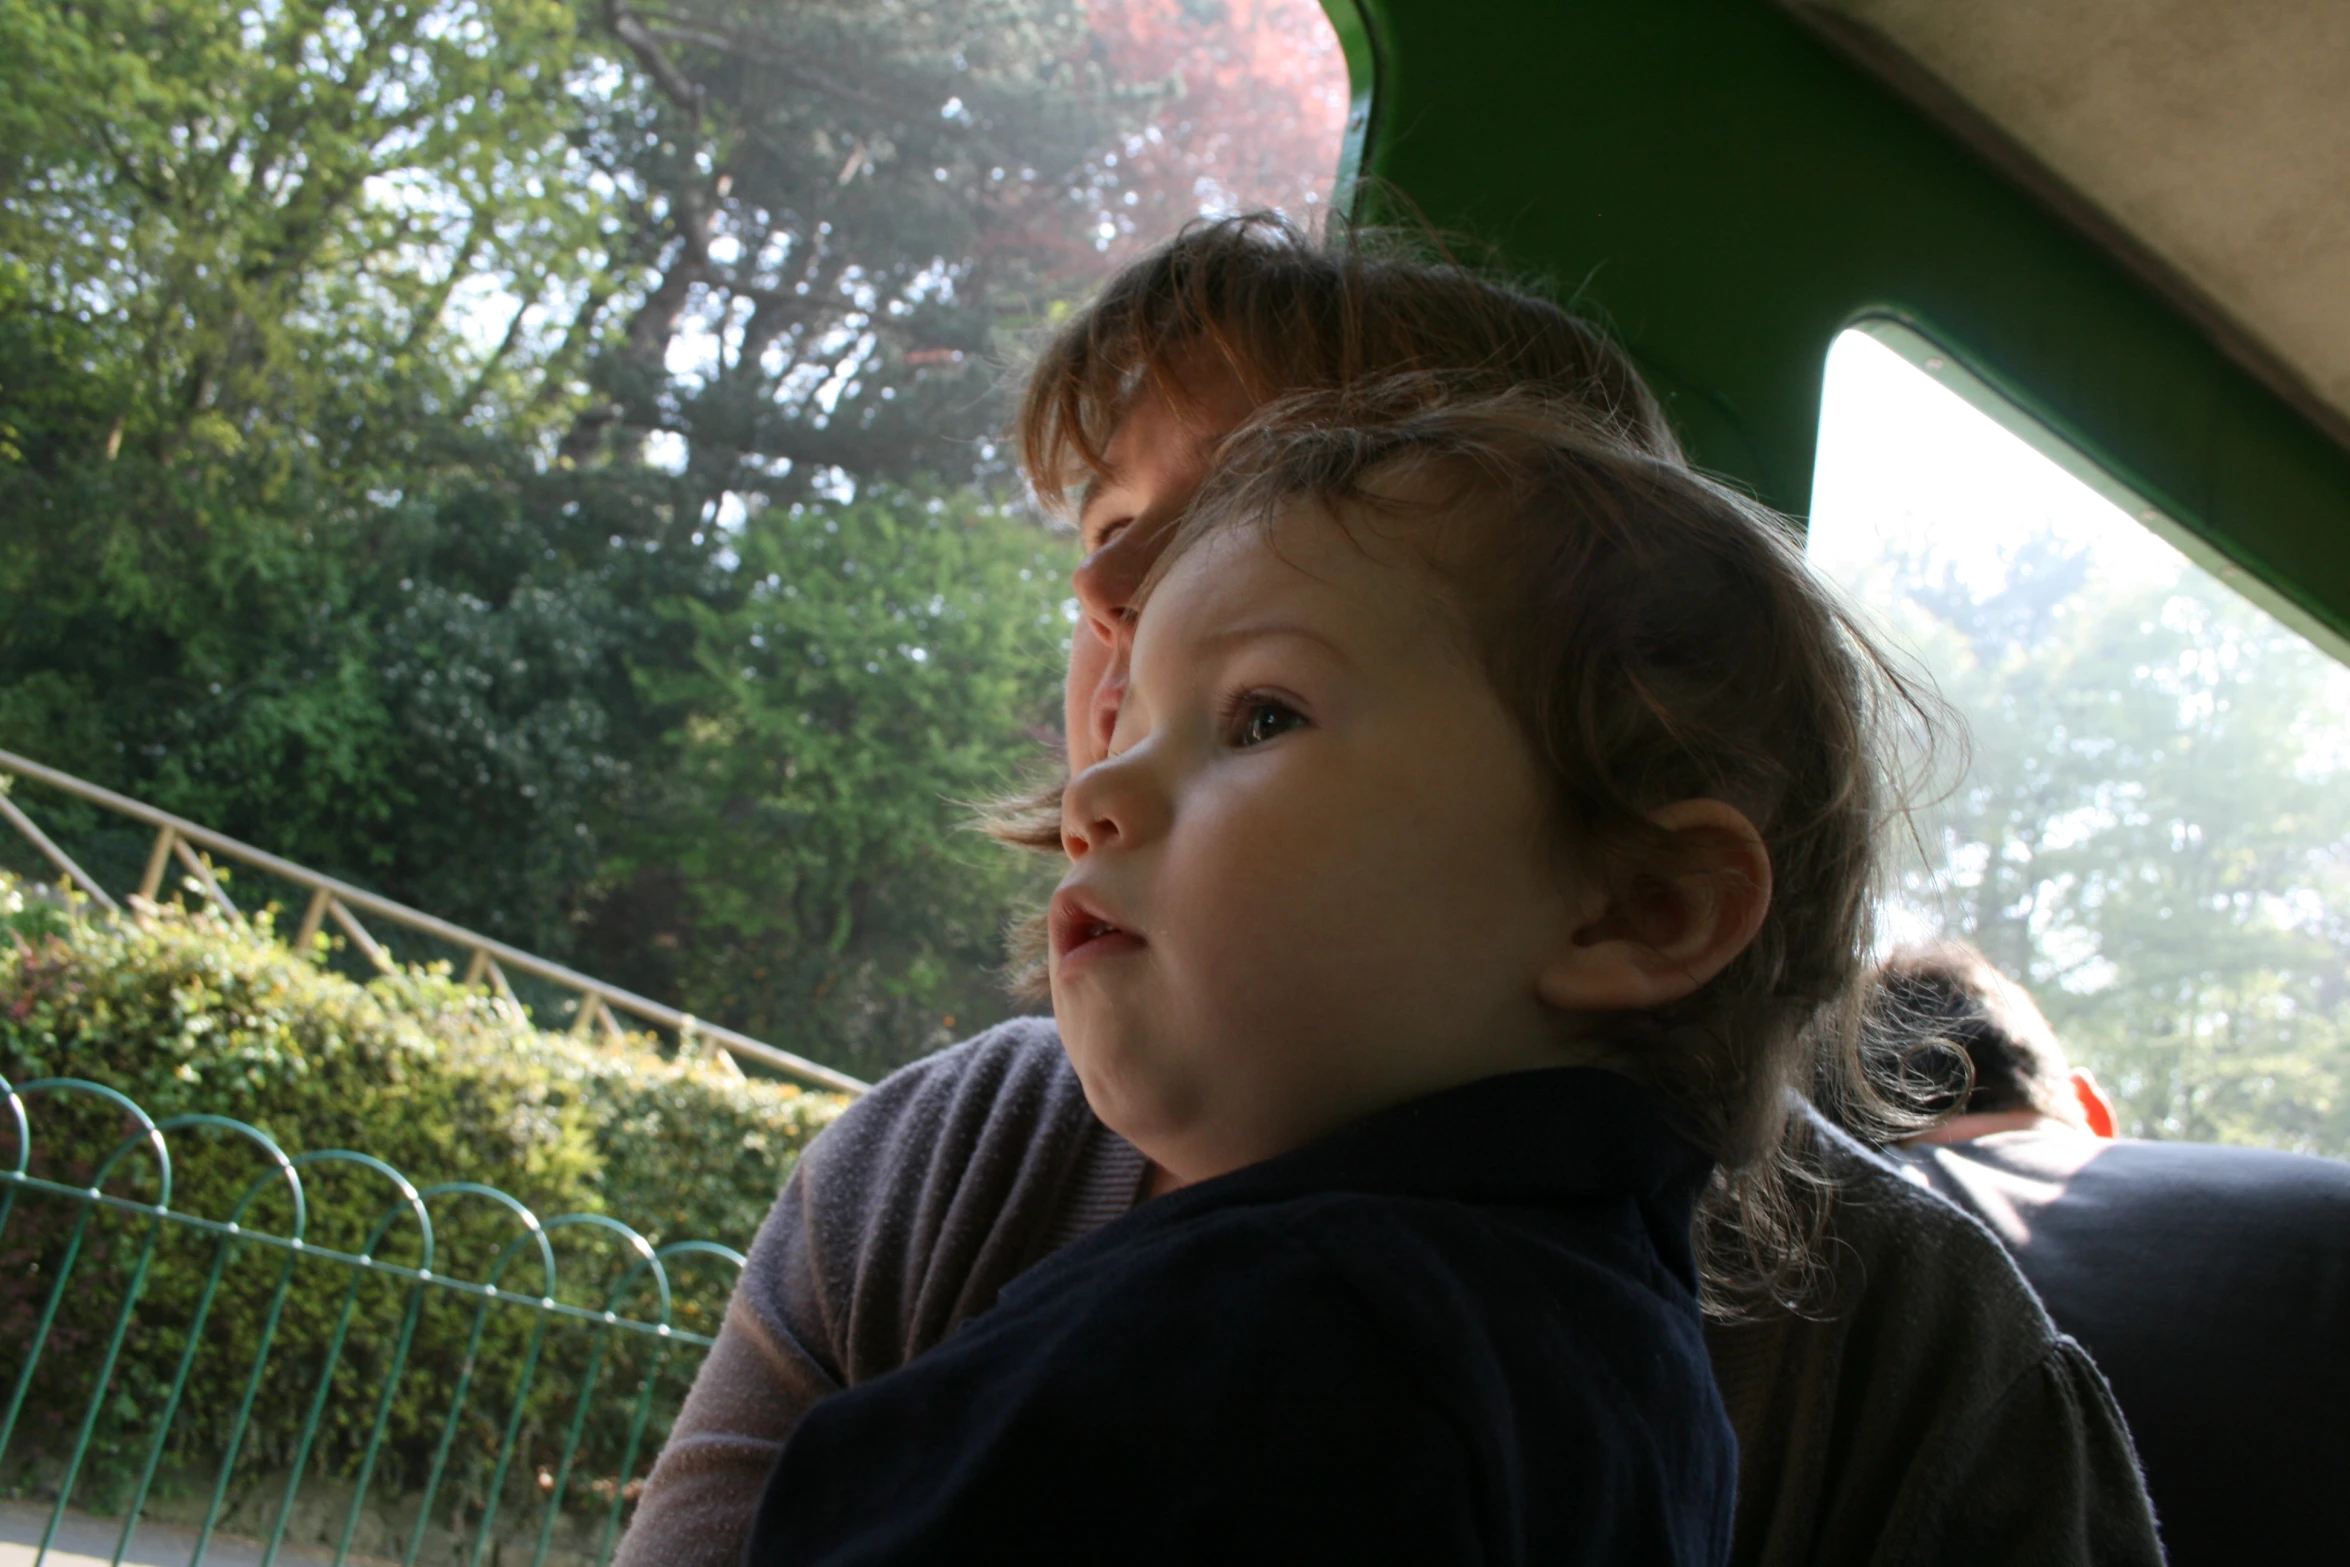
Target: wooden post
[[591, 1006], [158, 858], [57, 857], [358, 934], [312, 917], [506, 996], [203, 874]]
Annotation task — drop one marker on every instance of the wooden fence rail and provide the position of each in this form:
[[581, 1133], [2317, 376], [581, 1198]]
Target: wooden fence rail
[[187, 843]]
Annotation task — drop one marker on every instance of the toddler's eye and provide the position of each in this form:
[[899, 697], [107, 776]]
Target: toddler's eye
[[1264, 718]]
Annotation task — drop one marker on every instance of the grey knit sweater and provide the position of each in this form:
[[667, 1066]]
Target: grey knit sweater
[[1930, 1415]]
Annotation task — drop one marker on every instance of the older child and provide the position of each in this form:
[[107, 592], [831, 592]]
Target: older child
[[1489, 816]]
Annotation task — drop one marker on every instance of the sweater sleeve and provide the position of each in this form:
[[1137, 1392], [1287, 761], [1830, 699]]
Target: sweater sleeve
[[904, 1218], [2048, 1475], [773, 1360], [1927, 1412]]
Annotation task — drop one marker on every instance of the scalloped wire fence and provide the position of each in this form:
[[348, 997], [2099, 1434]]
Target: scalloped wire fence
[[405, 1376]]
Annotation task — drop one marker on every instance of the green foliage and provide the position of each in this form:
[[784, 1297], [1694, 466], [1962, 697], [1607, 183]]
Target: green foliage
[[2154, 834], [238, 207], [853, 204], [247, 408], [202, 1015], [885, 666], [377, 379], [29, 919]]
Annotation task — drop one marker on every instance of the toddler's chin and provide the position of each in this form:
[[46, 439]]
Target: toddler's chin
[[1125, 1084], [1091, 1053]]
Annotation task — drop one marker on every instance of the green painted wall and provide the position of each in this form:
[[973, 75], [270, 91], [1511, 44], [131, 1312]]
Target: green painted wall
[[1729, 193]]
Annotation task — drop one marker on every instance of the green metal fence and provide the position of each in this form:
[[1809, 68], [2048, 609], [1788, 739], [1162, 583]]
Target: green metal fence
[[191, 1315]]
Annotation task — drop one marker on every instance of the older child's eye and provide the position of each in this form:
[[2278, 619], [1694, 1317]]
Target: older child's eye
[[1262, 718]]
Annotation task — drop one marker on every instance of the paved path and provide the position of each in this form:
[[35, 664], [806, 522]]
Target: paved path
[[85, 1541]]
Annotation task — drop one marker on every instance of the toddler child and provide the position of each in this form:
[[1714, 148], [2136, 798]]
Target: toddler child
[[1485, 832]]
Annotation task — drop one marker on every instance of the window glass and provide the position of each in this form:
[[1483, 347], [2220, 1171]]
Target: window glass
[[2151, 828]]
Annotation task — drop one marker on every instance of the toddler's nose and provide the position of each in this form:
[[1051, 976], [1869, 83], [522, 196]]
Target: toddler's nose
[[1112, 804]]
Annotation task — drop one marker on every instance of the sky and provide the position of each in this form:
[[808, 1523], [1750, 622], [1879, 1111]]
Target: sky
[[1903, 457], [1905, 460], [1900, 454]]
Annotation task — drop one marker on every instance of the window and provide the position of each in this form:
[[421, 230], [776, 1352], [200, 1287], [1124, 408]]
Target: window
[[2151, 826]]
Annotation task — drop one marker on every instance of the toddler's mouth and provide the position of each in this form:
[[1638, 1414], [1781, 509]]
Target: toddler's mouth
[[1083, 931]]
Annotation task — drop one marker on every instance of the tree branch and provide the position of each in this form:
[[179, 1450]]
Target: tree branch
[[739, 46], [675, 85]]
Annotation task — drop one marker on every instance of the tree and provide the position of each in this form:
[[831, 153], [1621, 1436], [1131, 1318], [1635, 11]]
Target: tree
[[889, 664], [840, 206], [2153, 834], [256, 220], [1256, 117], [393, 393], [231, 364]]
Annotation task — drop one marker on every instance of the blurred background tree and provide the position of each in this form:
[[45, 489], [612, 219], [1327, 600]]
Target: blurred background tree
[[2153, 834], [510, 453], [2151, 825]]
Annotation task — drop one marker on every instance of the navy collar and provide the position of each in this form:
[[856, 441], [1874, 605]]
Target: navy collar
[[1523, 1138], [1520, 1137]]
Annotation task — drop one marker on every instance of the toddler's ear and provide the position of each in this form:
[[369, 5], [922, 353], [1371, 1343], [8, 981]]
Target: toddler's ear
[[1660, 935]]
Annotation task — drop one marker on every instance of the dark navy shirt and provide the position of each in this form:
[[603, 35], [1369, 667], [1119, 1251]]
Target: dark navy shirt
[[1463, 1330]]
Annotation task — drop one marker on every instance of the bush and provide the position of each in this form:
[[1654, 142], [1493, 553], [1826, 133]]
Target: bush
[[192, 1013]]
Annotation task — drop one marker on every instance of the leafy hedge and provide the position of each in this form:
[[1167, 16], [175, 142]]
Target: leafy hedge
[[188, 1013]]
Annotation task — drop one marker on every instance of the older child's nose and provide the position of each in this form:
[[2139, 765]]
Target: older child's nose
[[1111, 805], [1107, 580]]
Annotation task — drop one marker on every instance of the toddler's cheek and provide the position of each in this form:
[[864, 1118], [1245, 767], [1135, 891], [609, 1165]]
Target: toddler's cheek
[[1131, 1078]]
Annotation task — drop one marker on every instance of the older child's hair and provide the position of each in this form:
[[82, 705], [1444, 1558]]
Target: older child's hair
[[1658, 638], [1253, 299]]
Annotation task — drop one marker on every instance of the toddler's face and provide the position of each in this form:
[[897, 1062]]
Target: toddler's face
[[1312, 877]]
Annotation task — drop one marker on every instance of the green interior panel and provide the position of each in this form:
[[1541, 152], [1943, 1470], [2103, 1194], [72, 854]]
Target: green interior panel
[[1729, 193]]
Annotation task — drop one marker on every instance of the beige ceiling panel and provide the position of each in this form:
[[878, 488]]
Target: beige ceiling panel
[[2215, 134]]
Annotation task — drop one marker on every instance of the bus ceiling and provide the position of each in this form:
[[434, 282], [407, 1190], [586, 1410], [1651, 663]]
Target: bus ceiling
[[2125, 216]]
